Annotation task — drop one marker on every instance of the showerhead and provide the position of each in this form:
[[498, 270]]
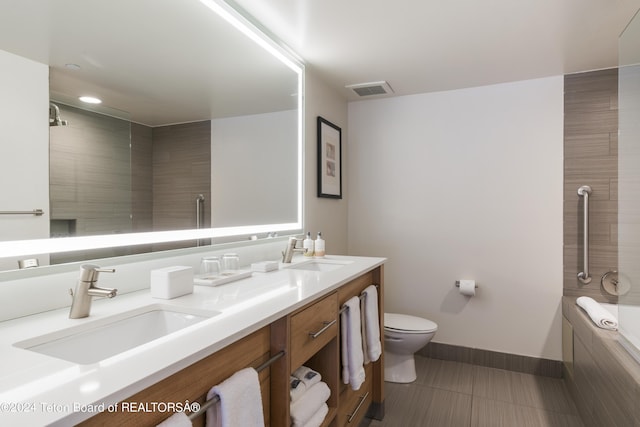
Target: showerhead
[[54, 116]]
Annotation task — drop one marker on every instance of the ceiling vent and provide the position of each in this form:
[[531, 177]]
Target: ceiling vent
[[373, 88]]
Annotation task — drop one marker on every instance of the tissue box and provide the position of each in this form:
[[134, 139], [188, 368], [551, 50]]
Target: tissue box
[[171, 282]]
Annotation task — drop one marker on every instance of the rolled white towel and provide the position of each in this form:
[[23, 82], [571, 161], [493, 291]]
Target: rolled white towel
[[307, 375], [296, 388], [598, 314], [318, 418], [304, 408]]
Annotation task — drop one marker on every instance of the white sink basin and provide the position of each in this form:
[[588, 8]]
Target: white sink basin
[[319, 265], [104, 338]]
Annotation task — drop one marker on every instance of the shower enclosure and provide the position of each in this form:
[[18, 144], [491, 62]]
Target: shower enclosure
[[629, 187]]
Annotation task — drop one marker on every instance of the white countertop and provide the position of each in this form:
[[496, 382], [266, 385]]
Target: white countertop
[[37, 389]]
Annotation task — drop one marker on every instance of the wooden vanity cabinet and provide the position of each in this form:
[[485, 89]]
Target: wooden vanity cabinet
[[369, 399], [310, 336], [347, 407], [312, 328], [314, 343]]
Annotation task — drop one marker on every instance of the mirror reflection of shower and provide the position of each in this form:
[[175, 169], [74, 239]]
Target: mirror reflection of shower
[[54, 116]]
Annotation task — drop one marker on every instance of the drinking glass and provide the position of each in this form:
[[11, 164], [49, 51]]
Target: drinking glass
[[230, 262], [210, 266]]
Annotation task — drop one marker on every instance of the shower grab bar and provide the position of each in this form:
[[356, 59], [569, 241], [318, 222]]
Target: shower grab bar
[[36, 212], [199, 210], [585, 192], [199, 215]]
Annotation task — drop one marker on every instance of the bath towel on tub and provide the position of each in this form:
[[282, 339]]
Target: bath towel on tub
[[240, 401], [598, 314]]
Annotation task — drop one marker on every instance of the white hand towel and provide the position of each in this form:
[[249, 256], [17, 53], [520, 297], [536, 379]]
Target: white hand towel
[[307, 375], [240, 401], [371, 325], [304, 408], [296, 388], [179, 419], [352, 356], [318, 418], [598, 314]]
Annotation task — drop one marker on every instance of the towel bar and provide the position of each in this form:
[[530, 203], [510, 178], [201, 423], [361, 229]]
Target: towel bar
[[345, 308], [36, 212], [215, 399]]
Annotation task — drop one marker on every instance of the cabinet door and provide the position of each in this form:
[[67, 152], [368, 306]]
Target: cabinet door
[[312, 328], [371, 400], [354, 403]]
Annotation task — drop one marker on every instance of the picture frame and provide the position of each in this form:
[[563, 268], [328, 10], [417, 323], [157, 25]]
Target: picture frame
[[329, 159]]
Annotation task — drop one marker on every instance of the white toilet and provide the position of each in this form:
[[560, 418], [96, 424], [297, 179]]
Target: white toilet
[[403, 336]]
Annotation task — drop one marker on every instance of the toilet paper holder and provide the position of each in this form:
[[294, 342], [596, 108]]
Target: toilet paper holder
[[458, 284]]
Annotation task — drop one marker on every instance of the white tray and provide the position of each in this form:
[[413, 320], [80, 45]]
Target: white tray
[[220, 279]]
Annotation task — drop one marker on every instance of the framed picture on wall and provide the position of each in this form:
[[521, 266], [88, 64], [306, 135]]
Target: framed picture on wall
[[329, 159]]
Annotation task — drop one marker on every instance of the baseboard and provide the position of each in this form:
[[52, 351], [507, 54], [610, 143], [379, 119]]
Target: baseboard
[[493, 359]]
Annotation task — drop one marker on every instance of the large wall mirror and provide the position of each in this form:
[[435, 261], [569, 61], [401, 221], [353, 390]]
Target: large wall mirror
[[197, 138]]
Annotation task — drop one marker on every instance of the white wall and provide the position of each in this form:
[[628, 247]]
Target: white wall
[[24, 150], [465, 184], [321, 214]]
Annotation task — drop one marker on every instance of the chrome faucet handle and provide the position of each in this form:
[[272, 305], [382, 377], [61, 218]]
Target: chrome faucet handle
[[90, 272], [287, 255], [86, 289]]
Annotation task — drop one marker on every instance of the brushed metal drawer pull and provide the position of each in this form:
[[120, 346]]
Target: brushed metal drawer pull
[[362, 399], [327, 325]]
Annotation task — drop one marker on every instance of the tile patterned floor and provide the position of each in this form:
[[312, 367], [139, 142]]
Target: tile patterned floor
[[453, 394]]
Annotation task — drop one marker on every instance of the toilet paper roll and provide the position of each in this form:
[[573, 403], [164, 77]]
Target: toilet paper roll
[[468, 287]]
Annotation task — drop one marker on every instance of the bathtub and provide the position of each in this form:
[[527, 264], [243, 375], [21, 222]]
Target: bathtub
[[602, 370], [627, 337]]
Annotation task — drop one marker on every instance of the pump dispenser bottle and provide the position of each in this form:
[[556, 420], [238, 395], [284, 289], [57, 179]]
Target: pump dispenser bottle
[[319, 245], [307, 244]]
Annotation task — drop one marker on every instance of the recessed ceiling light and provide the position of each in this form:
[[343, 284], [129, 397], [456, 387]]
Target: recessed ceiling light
[[72, 66], [90, 100]]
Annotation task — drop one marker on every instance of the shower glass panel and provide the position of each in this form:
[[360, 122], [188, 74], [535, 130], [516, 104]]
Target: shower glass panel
[[90, 178], [629, 183]]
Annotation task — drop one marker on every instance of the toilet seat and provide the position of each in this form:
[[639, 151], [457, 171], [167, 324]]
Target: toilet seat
[[408, 324]]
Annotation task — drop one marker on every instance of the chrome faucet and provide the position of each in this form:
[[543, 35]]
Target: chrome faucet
[[86, 289], [291, 249]]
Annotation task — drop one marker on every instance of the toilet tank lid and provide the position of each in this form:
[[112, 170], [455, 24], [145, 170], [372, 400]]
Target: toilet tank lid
[[405, 322]]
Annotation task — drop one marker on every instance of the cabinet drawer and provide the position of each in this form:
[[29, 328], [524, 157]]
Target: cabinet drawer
[[354, 403], [312, 328]]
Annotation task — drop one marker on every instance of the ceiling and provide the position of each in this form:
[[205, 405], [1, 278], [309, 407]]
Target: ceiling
[[429, 45], [156, 62]]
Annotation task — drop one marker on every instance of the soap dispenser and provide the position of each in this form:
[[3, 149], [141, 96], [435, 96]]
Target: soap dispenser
[[307, 244], [319, 245]]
